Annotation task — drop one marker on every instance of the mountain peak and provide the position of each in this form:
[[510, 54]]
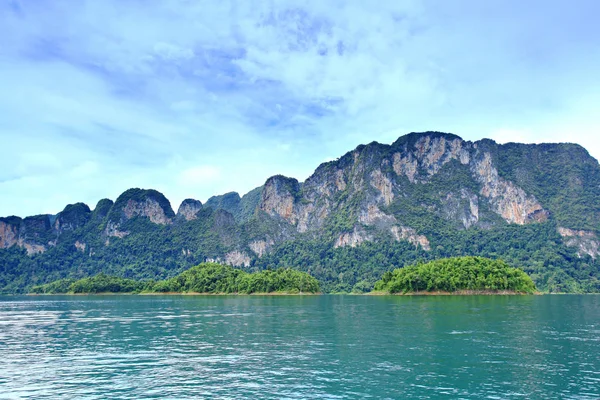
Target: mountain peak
[[229, 202], [412, 138], [189, 208], [148, 203], [72, 217]]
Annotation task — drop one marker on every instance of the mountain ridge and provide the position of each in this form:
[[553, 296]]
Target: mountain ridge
[[419, 191]]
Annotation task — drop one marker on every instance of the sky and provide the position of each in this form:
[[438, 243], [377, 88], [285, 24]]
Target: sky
[[198, 98]]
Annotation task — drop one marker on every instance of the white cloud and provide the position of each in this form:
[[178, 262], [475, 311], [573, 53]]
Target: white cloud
[[173, 53]]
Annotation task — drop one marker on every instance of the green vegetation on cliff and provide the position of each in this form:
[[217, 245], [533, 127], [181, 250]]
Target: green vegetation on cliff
[[204, 278], [457, 274], [155, 252], [563, 177]]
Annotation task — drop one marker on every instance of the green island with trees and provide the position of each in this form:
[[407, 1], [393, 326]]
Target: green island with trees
[[457, 275], [206, 278]]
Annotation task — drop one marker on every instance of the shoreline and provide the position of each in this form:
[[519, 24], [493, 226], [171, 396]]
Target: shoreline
[[373, 293], [457, 293], [229, 294], [176, 294]]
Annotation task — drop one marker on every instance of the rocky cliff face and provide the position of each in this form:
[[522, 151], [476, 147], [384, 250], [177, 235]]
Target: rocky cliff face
[[36, 234], [237, 258], [431, 152], [279, 198], [586, 242], [462, 206], [189, 209], [73, 217], [352, 239], [142, 203], [508, 200], [113, 230], [369, 180], [9, 232], [409, 234], [148, 208], [424, 157], [261, 247]]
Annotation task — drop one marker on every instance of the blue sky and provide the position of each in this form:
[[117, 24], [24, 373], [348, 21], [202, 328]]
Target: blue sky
[[195, 98]]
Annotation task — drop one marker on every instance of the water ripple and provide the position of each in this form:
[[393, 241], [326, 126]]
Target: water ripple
[[329, 347]]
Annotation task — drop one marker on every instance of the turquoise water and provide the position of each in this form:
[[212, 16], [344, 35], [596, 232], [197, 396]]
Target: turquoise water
[[331, 347]]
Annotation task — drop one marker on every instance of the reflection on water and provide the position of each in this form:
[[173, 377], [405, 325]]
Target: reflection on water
[[300, 347]]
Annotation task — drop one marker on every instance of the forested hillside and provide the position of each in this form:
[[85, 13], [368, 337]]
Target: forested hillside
[[426, 196]]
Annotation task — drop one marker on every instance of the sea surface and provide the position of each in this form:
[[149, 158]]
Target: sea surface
[[294, 347]]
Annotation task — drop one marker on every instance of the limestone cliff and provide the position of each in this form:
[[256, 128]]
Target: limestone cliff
[[148, 208], [237, 258], [375, 176], [409, 234], [261, 247], [420, 156], [279, 198], [383, 184], [112, 230], [36, 234], [586, 242], [188, 209], [149, 204], [380, 187], [462, 206], [507, 199], [73, 217], [374, 216], [352, 239], [225, 227], [9, 231]]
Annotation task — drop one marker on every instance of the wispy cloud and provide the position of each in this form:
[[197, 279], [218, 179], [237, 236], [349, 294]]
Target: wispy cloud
[[196, 98]]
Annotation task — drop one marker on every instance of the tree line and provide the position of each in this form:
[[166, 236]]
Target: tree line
[[204, 278]]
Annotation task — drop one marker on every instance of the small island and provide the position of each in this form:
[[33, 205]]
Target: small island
[[458, 275], [206, 278]]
